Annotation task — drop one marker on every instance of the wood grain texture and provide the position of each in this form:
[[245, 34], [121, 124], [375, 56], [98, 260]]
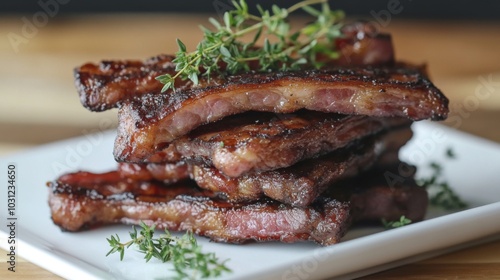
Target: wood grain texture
[[24, 270], [40, 105], [479, 262]]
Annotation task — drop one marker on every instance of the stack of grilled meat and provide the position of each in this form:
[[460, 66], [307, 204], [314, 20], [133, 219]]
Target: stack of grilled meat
[[286, 156]]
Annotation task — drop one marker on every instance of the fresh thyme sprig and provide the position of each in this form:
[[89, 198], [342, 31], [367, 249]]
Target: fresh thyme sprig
[[184, 252], [222, 47], [450, 153], [443, 195], [403, 221]]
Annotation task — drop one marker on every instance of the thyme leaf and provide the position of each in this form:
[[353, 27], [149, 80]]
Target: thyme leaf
[[282, 49], [184, 252], [442, 194], [403, 221]]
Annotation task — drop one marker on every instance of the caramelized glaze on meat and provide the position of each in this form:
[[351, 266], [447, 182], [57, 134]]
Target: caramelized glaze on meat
[[302, 183]]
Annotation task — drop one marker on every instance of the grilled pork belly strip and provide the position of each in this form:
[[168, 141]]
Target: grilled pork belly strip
[[300, 184], [110, 83], [82, 199], [152, 121], [186, 207], [297, 185], [260, 141]]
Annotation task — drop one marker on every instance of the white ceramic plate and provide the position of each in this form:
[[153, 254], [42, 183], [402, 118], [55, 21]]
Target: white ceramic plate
[[474, 175]]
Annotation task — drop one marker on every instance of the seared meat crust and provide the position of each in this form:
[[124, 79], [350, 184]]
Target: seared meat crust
[[83, 199]]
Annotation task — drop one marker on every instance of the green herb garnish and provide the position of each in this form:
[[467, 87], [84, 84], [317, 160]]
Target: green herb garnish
[[450, 153], [442, 194], [287, 51], [184, 252], [403, 221]]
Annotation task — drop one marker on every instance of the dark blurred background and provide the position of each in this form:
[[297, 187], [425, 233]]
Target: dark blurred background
[[424, 9]]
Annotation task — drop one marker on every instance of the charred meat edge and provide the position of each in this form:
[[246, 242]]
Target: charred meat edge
[[300, 184], [106, 198], [186, 207], [111, 83], [149, 123]]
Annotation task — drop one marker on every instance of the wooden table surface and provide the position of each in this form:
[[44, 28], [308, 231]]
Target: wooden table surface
[[39, 103]]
